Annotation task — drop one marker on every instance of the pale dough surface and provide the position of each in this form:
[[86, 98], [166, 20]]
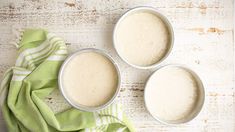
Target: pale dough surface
[[90, 79], [142, 38], [171, 94]]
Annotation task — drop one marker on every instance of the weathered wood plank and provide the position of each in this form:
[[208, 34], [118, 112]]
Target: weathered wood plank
[[203, 41]]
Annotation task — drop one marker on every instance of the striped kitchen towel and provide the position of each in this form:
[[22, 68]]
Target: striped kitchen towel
[[33, 78]]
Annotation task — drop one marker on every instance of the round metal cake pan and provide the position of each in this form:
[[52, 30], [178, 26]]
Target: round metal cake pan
[[79, 106]]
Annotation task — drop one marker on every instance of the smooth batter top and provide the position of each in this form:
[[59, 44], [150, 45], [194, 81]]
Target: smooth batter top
[[90, 79], [142, 38], [171, 94]]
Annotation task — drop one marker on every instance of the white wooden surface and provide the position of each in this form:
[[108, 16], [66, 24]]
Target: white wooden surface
[[204, 41]]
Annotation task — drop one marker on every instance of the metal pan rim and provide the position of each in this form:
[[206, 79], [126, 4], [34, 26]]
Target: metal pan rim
[[81, 107], [202, 96], [164, 19]]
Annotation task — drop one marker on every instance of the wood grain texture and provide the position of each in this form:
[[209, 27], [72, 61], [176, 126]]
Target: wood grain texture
[[204, 41]]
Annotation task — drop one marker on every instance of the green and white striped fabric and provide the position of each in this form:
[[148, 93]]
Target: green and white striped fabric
[[33, 78]]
